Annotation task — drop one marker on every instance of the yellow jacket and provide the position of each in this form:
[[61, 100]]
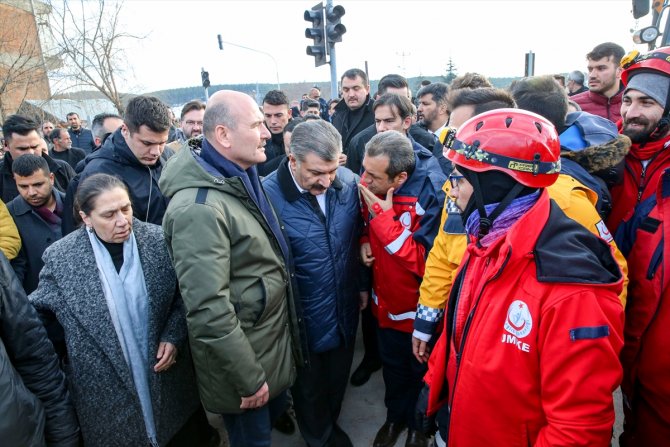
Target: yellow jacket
[[10, 241], [578, 203]]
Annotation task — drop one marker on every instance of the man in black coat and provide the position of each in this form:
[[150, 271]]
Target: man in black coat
[[354, 112], [22, 137], [136, 154], [277, 114], [62, 148], [37, 212], [390, 83], [82, 138]]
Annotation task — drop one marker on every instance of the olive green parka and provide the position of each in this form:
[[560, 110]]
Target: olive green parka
[[242, 320]]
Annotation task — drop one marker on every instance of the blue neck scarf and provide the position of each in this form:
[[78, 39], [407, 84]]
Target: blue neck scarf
[[252, 184]]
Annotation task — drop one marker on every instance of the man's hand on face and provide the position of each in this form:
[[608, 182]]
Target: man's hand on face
[[371, 199]]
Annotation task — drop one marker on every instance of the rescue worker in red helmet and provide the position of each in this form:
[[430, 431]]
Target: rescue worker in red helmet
[[534, 326], [640, 208]]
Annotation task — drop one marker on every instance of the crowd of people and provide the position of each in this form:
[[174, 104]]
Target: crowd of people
[[503, 249]]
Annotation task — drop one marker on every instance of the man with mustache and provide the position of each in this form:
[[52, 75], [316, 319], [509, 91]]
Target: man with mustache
[[638, 221], [317, 201], [37, 212]]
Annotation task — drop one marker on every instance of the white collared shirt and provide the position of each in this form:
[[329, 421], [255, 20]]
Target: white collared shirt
[[320, 198]]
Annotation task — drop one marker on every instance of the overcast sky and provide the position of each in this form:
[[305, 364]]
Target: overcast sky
[[407, 37]]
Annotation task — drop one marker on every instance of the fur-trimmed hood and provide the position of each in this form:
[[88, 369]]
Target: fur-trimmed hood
[[596, 159]]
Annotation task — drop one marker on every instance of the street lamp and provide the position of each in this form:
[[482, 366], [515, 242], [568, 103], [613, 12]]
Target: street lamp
[[221, 42]]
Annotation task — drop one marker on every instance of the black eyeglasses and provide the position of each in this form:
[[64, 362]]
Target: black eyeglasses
[[455, 179]]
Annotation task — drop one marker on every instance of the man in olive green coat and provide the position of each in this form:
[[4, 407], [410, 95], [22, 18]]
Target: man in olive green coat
[[231, 260]]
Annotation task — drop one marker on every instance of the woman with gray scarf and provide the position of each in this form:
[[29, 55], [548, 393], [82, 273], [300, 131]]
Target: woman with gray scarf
[[112, 287]]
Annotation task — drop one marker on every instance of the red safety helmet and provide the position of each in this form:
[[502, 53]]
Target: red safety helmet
[[519, 143], [657, 60]]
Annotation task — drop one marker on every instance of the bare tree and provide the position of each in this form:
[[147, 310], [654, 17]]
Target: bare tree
[[89, 40], [21, 66]]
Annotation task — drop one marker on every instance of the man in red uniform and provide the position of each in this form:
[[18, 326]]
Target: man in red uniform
[[640, 203], [534, 325], [401, 204]]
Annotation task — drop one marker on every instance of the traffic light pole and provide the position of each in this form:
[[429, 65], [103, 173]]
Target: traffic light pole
[[334, 91], [221, 42], [325, 31], [205, 82]]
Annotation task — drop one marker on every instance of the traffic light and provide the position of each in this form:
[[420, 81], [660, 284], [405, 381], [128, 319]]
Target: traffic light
[[334, 29], [316, 33], [205, 78]]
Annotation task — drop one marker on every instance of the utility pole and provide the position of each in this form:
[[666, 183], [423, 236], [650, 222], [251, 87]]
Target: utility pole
[[529, 69]]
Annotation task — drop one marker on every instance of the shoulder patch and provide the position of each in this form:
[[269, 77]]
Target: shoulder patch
[[604, 232], [589, 332]]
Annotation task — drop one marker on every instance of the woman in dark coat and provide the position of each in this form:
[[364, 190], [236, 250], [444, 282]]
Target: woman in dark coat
[[112, 287]]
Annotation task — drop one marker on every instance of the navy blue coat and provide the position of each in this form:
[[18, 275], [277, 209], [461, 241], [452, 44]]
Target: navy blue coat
[[82, 138], [325, 252]]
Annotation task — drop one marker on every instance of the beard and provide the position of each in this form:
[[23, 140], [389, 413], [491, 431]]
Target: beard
[[641, 135]]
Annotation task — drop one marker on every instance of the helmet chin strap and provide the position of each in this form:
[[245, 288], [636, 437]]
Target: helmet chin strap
[[486, 222], [663, 124]]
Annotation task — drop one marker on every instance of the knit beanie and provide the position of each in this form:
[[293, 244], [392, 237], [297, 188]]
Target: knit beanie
[[652, 84]]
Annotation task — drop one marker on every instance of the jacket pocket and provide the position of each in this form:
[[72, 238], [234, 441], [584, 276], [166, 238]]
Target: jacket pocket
[[250, 303]]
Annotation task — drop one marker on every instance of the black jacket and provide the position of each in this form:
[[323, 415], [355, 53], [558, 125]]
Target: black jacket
[[82, 138], [116, 158], [36, 408], [275, 153], [360, 119], [70, 156], [62, 172], [36, 236]]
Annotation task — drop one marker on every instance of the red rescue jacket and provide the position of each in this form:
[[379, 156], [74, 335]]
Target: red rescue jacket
[[645, 241], [533, 330], [400, 239]]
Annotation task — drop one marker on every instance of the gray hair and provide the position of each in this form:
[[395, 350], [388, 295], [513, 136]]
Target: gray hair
[[217, 114], [318, 137], [576, 76], [397, 148]]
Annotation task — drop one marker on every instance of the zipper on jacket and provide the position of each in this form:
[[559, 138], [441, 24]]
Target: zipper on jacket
[[655, 261], [468, 321], [643, 175], [146, 219], [326, 225], [640, 186], [466, 329]]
